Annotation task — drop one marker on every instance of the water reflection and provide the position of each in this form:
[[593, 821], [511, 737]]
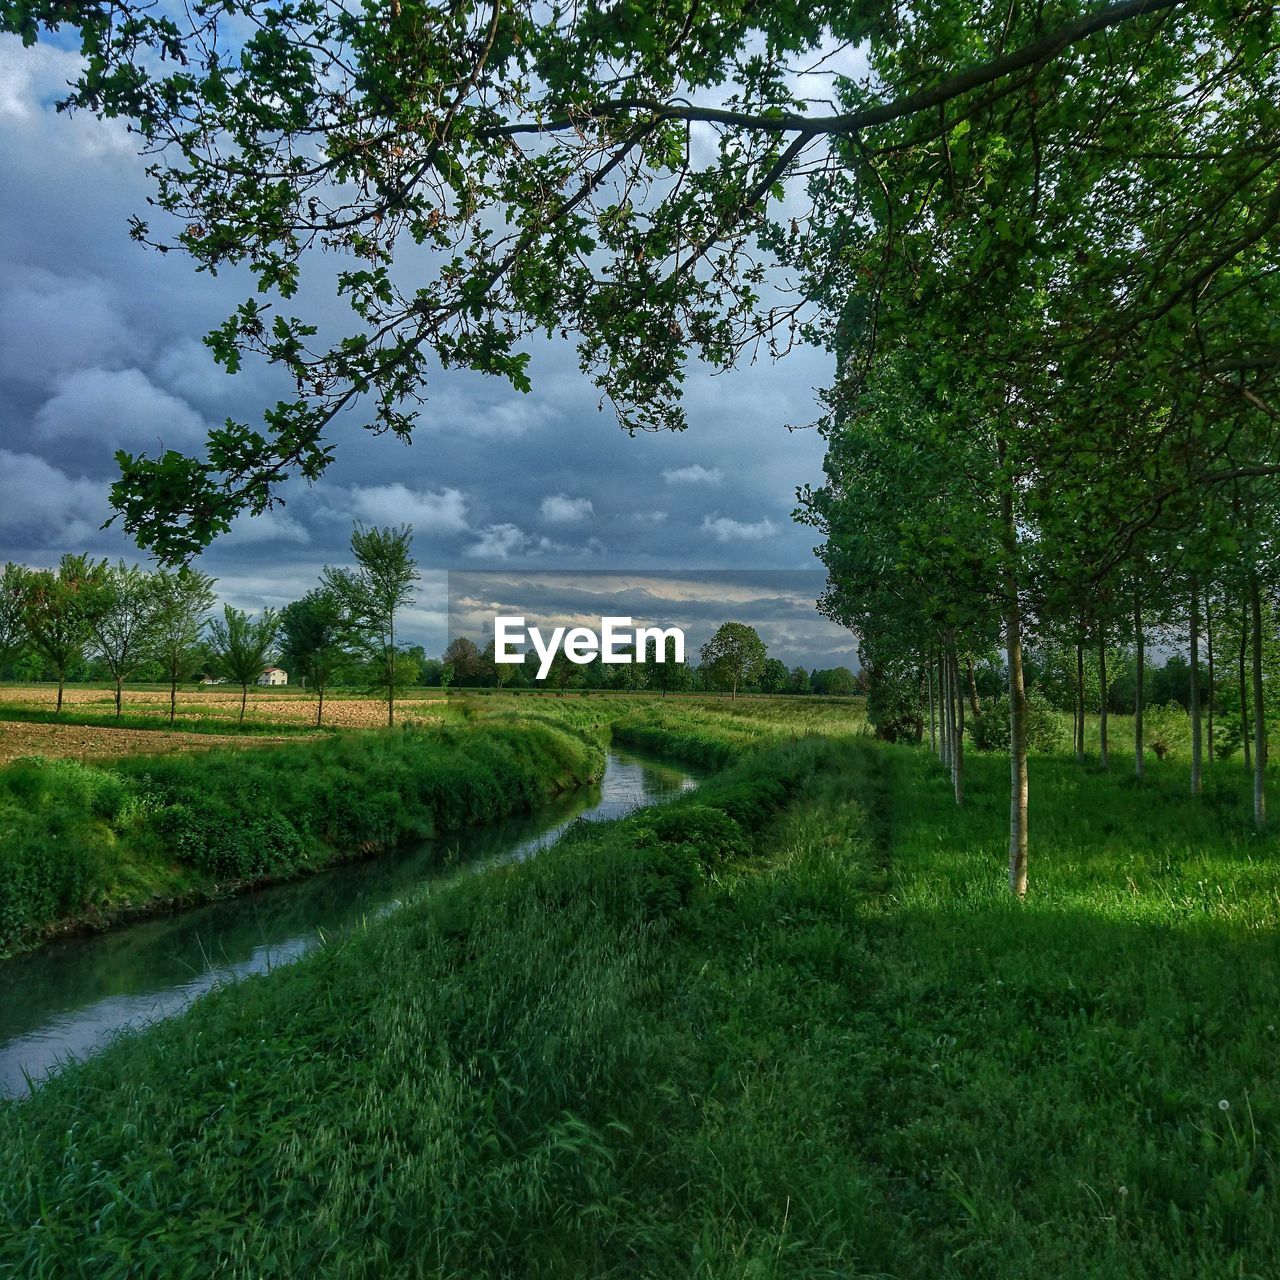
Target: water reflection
[[71, 997]]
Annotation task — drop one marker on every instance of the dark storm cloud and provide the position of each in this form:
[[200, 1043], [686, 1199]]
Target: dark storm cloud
[[100, 348]]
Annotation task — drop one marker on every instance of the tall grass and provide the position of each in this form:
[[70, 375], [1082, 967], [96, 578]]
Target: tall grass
[[791, 1025], [77, 839]]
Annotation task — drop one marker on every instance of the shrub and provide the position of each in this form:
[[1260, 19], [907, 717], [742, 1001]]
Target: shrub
[[990, 731], [1165, 728]]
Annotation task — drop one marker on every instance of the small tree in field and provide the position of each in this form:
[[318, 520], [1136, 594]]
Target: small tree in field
[[13, 627], [735, 656], [373, 593], [242, 646], [55, 608], [182, 603], [121, 614], [311, 633]]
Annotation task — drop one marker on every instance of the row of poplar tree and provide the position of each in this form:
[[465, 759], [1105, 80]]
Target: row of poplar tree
[[1053, 422]]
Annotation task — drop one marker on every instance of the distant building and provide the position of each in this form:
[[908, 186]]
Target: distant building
[[273, 675], [214, 680]]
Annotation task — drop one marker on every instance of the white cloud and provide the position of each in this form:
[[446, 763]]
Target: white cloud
[[503, 541], [118, 408], [725, 530], [499, 542], [649, 517], [270, 526], [561, 509], [59, 509], [695, 474], [51, 325], [432, 511]]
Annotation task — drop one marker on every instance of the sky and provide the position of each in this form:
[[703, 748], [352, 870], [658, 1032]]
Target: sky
[[100, 349]]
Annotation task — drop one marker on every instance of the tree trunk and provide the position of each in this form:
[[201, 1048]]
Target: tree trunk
[[944, 711], [1017, 743], [319, 705], [1259, 710], [1208, 644], [974, 705], [1104, 746], [62, 679], [391, 675], [119, 696], [1244, 683], [957, 775], [173, 697], [1017, 700], [1140, 689], [1080, 701], [933, 732], [244, 698], [1197, 769]]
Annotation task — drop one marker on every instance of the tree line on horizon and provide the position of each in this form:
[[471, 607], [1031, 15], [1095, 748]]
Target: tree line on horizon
[[90, 619]]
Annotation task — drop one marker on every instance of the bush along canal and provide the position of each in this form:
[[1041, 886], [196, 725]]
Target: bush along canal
[[73, 996]]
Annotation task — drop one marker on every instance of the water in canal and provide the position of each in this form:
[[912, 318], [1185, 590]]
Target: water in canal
[[69, 998]]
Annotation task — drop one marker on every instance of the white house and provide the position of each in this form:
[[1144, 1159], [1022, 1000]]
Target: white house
[[273, 675]]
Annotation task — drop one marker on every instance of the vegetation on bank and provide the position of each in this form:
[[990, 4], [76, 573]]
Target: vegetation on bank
[[788, 1025], [87, 842]]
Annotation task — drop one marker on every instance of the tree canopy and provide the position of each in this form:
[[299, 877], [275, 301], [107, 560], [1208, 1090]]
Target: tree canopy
[[488, 172]]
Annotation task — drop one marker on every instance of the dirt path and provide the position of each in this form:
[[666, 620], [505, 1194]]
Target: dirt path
[[80, 742]]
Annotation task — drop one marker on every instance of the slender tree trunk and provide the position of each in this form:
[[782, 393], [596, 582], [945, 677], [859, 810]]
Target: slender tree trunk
[[1140, 689], [319, 704], [944, 710], [1259, 709], [1104, 745], [173, 697], [62, 680], [1017, 702], [244, 698], [1080, 701], [391, 675], [974, 705], [956, 723], [933, 731], [1208, 644], [1244, 683], [1197, 747]]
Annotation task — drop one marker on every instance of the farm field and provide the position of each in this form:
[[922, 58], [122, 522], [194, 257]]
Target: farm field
[[790, 1025]]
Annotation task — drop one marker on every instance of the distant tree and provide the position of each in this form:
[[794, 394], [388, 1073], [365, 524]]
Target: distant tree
[[431, 671], [735, 655], [837, 682], [499, 672], [13, 628], [56, 606], [242, 647], [669, 675], [121, 612], [372, 595], [446, 675], [465, 658], [799, 681], [311, 640], [774, 676], [182, 603]]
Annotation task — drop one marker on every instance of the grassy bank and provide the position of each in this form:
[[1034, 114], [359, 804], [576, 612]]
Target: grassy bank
[[788, 1026], [82, 843]]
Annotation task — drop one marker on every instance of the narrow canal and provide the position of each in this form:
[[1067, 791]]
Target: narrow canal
[[69, 998]]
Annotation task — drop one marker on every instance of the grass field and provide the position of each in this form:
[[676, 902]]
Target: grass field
[[791, 1025]]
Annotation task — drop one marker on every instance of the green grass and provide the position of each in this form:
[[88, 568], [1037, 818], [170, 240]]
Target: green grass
[[90, 842], [791, 1025]]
